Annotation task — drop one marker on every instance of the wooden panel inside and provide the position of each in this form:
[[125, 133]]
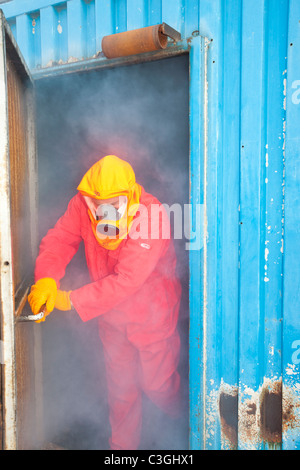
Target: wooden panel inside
[[22, 255], [20, 222]]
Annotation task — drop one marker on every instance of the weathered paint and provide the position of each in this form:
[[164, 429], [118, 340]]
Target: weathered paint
[[291, 275], [244, 281], [198, 258]]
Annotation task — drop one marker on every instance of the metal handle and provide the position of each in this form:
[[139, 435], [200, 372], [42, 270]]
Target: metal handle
[[172, 33], [39, 316], [36, 317]]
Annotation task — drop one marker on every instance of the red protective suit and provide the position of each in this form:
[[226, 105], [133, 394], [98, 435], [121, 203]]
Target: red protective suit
[[135, 295]]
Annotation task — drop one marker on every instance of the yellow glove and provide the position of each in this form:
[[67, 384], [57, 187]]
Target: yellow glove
[[63, 301], [43, 293]]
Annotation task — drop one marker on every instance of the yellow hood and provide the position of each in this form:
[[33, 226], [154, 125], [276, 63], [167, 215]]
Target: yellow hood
[[112, 177]]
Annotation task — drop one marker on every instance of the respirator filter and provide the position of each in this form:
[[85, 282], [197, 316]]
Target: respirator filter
[[109, 218]]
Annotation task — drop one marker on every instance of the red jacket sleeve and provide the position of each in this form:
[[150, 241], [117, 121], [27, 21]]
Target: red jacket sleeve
[[136, 262], [60, 244]]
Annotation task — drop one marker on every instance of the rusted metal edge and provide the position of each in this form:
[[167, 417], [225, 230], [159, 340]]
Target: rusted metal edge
[[101, 62]]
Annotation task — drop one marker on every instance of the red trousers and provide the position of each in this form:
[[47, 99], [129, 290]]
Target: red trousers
[[131, 371]]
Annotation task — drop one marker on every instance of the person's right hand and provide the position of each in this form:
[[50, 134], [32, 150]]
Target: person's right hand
[[43, 292]]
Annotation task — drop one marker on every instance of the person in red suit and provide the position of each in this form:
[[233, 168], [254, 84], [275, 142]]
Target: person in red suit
[[134, 291]]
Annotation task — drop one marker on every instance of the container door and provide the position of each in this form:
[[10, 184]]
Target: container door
[[20, 375]]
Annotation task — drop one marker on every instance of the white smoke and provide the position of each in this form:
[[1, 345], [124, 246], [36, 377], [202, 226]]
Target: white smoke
[[139, 113]]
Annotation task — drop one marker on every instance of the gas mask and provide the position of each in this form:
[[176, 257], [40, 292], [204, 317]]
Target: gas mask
[[108, 217]]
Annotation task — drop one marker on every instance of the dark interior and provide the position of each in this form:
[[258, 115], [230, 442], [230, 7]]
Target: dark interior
[[140, 113]]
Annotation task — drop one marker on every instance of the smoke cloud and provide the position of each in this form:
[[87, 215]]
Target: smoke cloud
[[139, 113]]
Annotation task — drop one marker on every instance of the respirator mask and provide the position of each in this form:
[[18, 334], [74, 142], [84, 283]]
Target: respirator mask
[[108, 218]]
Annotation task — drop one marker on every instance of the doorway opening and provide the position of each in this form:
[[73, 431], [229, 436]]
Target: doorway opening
[[140, 113]]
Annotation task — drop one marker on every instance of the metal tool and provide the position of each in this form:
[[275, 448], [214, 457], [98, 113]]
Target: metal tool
[[27, 318], [39, 316]]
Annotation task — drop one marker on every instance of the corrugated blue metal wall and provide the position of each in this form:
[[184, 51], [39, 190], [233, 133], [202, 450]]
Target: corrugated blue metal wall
[[245, 282]]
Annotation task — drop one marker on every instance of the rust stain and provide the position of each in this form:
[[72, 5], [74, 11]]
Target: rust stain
[[228, 409], [271, 412], [290, 410], [258, 417], [248, 424]]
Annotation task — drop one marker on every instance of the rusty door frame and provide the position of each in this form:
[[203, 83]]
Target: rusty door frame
[[7, 294]]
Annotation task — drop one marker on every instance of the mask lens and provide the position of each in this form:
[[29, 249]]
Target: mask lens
[[107, 211]]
